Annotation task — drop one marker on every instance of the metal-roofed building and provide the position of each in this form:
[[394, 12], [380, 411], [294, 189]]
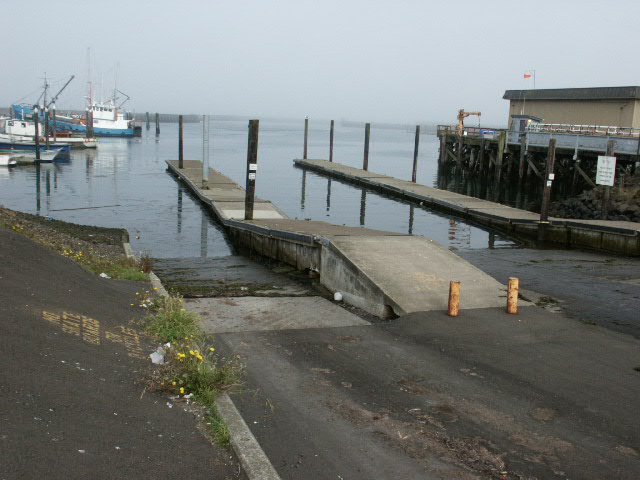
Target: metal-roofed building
[[610, 106]]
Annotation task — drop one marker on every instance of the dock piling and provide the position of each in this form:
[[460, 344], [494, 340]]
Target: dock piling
[[454, 299], [252, 167], [367, 133], [512, 295], [37, 132], [548, 180], [46, 128], [157, 124], [205, 151], [148, 125], [523, 148], [89, 121], [414, 172], [331, 141], [180, 143], [306, 137]]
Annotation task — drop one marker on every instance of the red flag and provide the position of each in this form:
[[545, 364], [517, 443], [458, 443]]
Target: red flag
[[527, 75]]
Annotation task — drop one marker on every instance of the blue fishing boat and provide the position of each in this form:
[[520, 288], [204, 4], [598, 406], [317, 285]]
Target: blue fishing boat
[[61, 148]]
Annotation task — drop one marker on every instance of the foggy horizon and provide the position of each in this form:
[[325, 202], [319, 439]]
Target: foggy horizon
[[403, 62]]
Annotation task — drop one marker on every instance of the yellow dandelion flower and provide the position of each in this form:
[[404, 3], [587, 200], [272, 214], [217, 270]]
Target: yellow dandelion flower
[[173, 383], [212, 349], [181, 389]]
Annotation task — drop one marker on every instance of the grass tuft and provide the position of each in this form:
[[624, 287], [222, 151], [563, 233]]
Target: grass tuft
[[192, 371]]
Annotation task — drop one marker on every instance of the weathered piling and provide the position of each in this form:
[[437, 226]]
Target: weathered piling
[[331, 141], [367, 133], [157, 124], [306, 137], [205, 151], [523, 151], [414, 171], [46, 128], [89, 120], [148, 123], [180, 143], [252, 167], [548, 180], [37, 132]]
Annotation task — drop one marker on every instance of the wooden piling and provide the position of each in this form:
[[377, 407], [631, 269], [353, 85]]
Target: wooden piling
[[180, 143], [306, 137], [36, 124], [548, 180], [414, 172], [331, 142], [55, 125], [252, 167], [512, 295], [606, 194], [157, 124], [46, 128], [442, 159], [454, 299], [148, 125], [502, 142], [367, 133], [523, 151]]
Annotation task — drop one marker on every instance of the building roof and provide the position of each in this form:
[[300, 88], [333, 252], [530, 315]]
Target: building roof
[[598, 93]]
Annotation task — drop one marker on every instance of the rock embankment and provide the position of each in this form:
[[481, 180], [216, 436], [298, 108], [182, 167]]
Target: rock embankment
[[624, 203]]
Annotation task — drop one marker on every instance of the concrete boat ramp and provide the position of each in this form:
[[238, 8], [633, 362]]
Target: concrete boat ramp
[[383, 273]]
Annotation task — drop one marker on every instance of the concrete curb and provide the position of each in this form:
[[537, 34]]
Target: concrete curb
[[252, 458]]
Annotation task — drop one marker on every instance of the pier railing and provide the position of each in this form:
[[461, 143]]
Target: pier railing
[[477, 132], [599, 130]]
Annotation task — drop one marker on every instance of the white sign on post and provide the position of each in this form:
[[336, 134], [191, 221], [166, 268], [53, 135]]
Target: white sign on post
[[606, 173]]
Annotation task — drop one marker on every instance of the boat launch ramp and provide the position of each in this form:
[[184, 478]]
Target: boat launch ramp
[[383, 273]]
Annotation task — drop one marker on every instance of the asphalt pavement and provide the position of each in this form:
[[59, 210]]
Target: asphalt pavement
[[71, 402]]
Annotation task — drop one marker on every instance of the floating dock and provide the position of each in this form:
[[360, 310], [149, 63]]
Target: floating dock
[[610, 236], [383, 273]]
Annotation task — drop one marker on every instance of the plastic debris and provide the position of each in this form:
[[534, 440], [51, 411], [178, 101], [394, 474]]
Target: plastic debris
[[104, 275], [157, 357], [337, 297]]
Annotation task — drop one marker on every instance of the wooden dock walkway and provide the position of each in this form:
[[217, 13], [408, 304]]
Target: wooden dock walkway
[[381, 272], [606, 235]]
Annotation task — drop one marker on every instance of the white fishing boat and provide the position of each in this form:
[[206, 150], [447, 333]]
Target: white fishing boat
[[17, 130], [29, 156], [7, 160]]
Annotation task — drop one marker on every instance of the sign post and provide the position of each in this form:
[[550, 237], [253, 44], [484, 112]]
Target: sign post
[[606, 175]]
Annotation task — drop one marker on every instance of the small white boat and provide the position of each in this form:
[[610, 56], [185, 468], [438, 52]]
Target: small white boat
[[15, 130], [28, 156], [7, 160]]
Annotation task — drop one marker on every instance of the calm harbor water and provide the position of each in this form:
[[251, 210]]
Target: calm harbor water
[[124, 183]]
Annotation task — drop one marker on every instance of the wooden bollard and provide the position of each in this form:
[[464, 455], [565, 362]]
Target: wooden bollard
[[512, 295], [454, 299]]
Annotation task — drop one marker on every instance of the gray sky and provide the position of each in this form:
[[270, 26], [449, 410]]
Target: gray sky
[[378, 60]]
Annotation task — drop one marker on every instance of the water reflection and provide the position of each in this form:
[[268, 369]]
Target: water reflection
[[204, 234], [303, 190], [363, 207], [180, 190]]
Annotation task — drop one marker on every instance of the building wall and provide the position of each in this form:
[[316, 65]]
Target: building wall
[[619, 113]]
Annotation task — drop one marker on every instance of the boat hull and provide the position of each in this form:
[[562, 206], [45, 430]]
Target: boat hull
[[31, 147]]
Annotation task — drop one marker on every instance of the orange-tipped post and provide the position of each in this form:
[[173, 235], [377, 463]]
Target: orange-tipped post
[[512, 295], [454, 299]]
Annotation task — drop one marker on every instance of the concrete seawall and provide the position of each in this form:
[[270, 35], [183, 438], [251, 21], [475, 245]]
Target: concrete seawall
[[383, 273], [609, 236]]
